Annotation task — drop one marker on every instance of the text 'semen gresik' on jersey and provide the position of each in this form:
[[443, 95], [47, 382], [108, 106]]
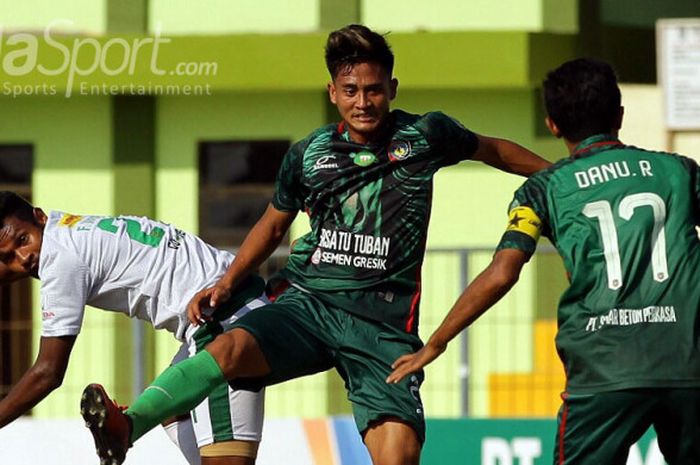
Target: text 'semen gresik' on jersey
[[624, 221], [143, 268], [369, 207]]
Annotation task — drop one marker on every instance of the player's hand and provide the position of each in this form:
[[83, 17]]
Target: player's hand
[[410, 363], [206, 298]]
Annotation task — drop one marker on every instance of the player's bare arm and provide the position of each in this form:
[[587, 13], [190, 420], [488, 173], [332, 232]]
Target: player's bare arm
[[258, 245], [508, 156], [43, 377], [487, 289]]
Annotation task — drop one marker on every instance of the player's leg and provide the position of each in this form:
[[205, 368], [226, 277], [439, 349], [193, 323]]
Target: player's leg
[[677, 425], [228, 424], [600, 428], [289, 344], [392, 442], [177, 390], [285, 333], [389, 416]]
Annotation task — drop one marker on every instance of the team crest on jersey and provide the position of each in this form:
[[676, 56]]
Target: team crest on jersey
[[69, 220], [316, 257], [363, 158], [399, 150]]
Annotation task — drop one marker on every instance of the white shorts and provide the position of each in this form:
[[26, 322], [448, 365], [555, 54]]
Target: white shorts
[[227, 414]]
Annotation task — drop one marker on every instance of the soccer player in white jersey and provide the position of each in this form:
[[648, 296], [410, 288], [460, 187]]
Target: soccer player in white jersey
[[147, 270]]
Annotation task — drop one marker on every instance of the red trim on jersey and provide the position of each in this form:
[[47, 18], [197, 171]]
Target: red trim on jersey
[[596, 145], [341, 127], [562, 429], [414, 305], [278, 290]]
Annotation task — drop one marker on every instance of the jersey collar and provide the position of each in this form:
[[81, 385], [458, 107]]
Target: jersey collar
[[595, 144], [383, 138]]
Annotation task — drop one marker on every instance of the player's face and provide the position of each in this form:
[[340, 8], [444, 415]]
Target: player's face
[[20, 246], [362, 94]]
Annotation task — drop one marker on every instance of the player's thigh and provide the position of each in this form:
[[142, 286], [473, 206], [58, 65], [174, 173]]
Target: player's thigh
[[290, 336], [364, 361], [599, 429], [677, 425], [391, 441]]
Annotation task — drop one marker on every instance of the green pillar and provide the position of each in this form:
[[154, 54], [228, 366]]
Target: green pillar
[[127, 16], [133, 119], [338, 13], [133, 124]]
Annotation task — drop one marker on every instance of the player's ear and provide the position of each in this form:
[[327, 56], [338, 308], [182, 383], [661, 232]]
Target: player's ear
[[39, 216], [394, 87], [552, 126], [618, 119], [332, 92]]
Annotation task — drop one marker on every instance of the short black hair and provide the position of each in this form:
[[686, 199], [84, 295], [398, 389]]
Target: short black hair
[[582, 98], [15, 205], [355, 44]]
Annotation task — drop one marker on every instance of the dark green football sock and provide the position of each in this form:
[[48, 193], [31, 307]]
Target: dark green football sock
[[176, 391]]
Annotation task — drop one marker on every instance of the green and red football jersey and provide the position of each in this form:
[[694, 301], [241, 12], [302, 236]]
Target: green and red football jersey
[[624, 221], [369, 207]]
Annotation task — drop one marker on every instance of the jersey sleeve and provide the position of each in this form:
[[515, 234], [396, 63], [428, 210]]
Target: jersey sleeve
[[453, 141], [527, 218], [289, 189], [65, 284]]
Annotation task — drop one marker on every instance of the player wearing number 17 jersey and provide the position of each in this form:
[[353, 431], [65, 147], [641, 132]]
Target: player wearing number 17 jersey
[[624, 221], [147, 270]]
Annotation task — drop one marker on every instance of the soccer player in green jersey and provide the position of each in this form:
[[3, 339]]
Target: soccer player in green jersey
[[624, 221], [348, 298]]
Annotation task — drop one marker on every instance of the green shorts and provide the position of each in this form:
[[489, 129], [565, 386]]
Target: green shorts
[[300, 335], [599, 429]]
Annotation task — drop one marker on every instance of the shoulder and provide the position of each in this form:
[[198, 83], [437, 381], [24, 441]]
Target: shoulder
[[536, 188], [541, 179], [434, 122], [670, 157], [58, 245], [321, 135], [56, 223], [438, 129]]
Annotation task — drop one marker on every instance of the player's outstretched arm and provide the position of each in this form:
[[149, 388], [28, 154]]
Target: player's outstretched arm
[[487, 289], [43, 377], [258, 245], [508, 156]]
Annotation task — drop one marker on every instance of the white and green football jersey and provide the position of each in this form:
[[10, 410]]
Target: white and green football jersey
[[137, 266]]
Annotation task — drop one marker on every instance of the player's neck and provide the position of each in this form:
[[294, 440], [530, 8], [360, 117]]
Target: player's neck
[[572, 145]]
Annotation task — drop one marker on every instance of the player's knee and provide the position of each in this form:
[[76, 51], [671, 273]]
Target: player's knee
[[231, 351], [224, 350]]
